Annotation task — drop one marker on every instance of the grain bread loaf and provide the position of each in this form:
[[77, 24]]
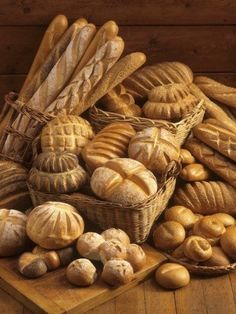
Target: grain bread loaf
[[145, 79], [123, 180], [57, 173], [216, 90], [213, 133], [66, 133], [155, 148], [169, 102], [219, 164], [111, 142], [207, 197]]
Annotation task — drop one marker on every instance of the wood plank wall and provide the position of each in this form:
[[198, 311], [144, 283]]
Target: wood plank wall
[[201, 33]]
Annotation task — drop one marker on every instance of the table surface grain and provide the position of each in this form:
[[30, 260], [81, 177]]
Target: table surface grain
[[203, 295]]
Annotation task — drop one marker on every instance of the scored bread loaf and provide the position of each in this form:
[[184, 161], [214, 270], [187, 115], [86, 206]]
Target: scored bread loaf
[[219, 164], [124, 181], [216, 90], [169, 102], [145, 79], [213, 133], [207, 197], [111, 142]]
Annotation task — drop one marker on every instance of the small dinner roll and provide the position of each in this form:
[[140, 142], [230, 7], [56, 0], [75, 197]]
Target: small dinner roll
[[226, 219], [218, 258], [116, 234], [172, 276], [197, 248], [112, 249], [136, 256], [117, 272], [88, 245], [228, 242], [81, 272], [182, 215]]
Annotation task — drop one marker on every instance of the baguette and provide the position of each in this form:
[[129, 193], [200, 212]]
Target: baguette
[[213, 160], [213, 134], [216, 90], [145, 79], [207, 197]]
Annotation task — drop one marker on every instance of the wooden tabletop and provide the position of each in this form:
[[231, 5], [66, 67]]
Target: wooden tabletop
[[203, 295]]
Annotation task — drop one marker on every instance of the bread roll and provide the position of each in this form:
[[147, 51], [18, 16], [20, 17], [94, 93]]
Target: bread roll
[[168, 235], [218, 258], [123, 180], [172, 276], [155, 148], [111, 142], [54, 225], [57, 173], [117, 272], [227, 220], [13, 237], [66, 133], [136, 257], [228, 242], [116, 234], [194, 172], [182, 215], [186, 157], [51, 258], [169, 102], [112, 249], [88, 245], [207, 197], [197, 248], [81, 272]]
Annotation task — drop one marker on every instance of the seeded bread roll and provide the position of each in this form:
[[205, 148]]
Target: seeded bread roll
[[111, 142], [123, 180]]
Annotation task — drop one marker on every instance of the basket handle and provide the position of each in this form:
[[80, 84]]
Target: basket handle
[[172, 170]]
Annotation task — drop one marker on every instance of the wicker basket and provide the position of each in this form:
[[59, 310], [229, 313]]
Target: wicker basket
[[136, 220], [100, 118]]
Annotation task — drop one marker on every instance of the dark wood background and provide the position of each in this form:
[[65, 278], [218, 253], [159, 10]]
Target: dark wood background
[[201, 33]]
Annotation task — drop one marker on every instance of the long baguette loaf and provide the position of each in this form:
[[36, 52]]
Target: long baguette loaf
[[216, 90], [207, 197], [219, 164], [145, 79], [72, 97], [212, 133]]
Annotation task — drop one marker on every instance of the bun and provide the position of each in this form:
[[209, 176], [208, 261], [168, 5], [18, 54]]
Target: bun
[[228, 242], [116, 234], [54, 225], [117, 272], [111, 142], [194, 172], [218, 258], [136, 257], [81, 272], [186, 157], [225, 219], [112, 249], [123, 180], [197, 248], [154, 148], [88, 245], [182, 215]]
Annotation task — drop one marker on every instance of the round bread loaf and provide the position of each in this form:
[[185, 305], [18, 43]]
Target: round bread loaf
[[111, 142], [116, 234], [169, 102], [117, 272], [197, 248], [112, 249], [123, 180], [155, 148], [88, 245], [54, 225], [172, 276], [168, 235], [66, 133], [57, 173], [81, 272], [227, 220], [228, 242], [136, 256], [218, 258], [13, 237], [182, 215]]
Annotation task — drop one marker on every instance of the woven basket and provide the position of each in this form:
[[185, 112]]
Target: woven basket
[[135, 220], [100, 118], [203, 270]]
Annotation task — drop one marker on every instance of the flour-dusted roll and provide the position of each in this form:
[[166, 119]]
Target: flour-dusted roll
[[155, 148], [123, 180], [111, 142]]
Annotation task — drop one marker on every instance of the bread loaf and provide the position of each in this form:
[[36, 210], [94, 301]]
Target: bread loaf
[[66, 133], [213, 133], [81, 272], [207, 197], [216, 90], [155, 148], [169, 102], [111, 142], [194, 172], [145, 79], [117, 272], [123, 180], [219, 164]]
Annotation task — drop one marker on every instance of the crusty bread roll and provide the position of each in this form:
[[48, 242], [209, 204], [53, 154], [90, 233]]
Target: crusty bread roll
[[207, 197], [182, 215], [123, 180], [218, 258], [197, 248], [186, 157], [88, 245], [116, 234], [136, 256], [57, 173], [81, 272], [111, 142], [172, 276], [66, 133], [117, 272], [194, 172], [13, 237], [228, 242], [155, 148], [143, 80], [213, 133], [54, 225], [227, 220], [112, 249], [169, 102], [168, 235], [216, 162]]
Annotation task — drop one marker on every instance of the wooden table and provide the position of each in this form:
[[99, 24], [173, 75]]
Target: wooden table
[[203, 295]]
